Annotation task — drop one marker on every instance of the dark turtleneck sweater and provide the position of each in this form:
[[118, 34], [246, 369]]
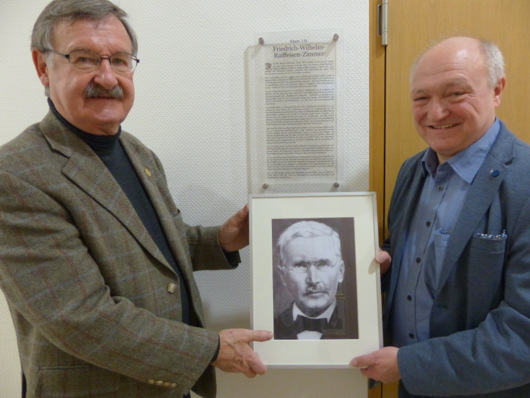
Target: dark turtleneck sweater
[[111, 152]]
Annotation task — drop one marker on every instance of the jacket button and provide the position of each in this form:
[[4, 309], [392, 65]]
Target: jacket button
[[150, 381], [171, 288]]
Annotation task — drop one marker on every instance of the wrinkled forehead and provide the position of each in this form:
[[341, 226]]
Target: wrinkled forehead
[[448, 55], [79, 29], [311, 249]]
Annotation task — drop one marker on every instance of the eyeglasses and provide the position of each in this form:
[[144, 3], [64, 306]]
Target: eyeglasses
[[88, 61], [303, 266]]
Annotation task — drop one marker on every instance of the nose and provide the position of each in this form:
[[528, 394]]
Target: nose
[[437, 110], [105, 75], [312, 274]]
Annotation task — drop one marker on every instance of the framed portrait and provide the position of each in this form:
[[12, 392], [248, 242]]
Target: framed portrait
[[315, 283]]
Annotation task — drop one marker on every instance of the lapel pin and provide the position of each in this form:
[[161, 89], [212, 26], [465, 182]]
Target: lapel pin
[[494, 173], [148, 172]]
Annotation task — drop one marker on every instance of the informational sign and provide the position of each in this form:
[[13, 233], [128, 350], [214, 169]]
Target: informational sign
[[293, 115]]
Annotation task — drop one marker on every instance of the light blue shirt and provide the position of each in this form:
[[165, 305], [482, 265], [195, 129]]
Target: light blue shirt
[[445, 188]]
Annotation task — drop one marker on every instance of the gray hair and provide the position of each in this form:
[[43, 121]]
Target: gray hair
[[72, 11], [307, 229], [494, 61], [492, 55]]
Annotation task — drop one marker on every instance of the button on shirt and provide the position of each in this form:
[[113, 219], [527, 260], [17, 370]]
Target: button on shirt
[[439, 205]]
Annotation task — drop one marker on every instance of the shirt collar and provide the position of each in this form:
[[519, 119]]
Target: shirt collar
[[101, 144], [326, 314], [466, 163], [66, 122]]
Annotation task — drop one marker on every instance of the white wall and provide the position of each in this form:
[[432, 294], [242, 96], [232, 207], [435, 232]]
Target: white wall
[[190, 109]]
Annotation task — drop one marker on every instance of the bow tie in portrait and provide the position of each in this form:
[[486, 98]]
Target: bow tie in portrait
[[303, 323]]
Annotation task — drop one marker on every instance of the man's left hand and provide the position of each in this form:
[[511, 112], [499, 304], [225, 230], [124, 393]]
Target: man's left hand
[[234, 232], [381, 365]]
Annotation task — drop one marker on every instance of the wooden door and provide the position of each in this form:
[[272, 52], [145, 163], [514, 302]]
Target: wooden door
[[412, 26]]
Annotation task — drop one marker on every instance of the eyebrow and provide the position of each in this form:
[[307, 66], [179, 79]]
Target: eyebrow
[[450, 84]]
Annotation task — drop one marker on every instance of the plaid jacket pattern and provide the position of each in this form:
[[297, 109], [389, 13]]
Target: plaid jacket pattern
[[96, 307]]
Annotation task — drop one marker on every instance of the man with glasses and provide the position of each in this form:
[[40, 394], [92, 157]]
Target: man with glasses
[[95, 260], [310, 269]]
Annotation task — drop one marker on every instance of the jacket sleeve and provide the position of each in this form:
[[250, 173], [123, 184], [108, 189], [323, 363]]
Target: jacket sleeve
[[113, 312]]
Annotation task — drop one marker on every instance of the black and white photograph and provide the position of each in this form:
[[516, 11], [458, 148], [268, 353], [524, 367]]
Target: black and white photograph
[[314, 279]]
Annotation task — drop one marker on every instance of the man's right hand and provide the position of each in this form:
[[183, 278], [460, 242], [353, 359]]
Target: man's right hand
[[235, 354]]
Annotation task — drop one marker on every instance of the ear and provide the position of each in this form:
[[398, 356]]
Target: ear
[[281, 270], [341, 271], [497, 91], [40, 62]]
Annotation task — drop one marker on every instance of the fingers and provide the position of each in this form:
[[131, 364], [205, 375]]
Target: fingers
[[256, 366], [381, 365], [260, 335], [362, 361], [243, 213], [241, 216], [247, 335], [383, 259], [235, 353], [234, 233]]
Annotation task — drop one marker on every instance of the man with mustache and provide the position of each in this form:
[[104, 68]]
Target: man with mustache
[[96, 262], [310, 269]]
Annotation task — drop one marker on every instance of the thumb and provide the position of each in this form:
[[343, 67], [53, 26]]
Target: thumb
[[241, 214], [360, 362]]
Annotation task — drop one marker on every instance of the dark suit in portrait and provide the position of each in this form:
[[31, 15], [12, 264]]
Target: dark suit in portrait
[[286, 328]]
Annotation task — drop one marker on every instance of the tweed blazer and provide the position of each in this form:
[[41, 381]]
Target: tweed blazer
[[480, 321], [95, 304]]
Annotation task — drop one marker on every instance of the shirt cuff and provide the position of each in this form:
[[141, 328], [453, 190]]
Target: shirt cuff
[[233, 258]]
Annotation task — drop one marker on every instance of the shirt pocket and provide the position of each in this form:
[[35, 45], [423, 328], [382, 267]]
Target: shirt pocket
[[485, 256]]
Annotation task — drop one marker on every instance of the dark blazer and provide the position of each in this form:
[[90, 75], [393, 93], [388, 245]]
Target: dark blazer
[[480, 320], [95, 304]]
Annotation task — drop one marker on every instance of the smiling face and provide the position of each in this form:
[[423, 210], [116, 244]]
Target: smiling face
[[100, 115], [312, 288], [453, 102]]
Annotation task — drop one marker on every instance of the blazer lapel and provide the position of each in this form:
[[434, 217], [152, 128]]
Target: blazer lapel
[[478, 199], [87, 171], [147, 171], [413, 189]]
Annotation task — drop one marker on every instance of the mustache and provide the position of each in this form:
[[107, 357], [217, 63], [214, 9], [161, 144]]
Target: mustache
[[96, 91], [315, 289]]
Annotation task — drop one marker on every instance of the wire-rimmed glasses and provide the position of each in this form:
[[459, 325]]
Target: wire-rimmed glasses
[[88, 61]]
